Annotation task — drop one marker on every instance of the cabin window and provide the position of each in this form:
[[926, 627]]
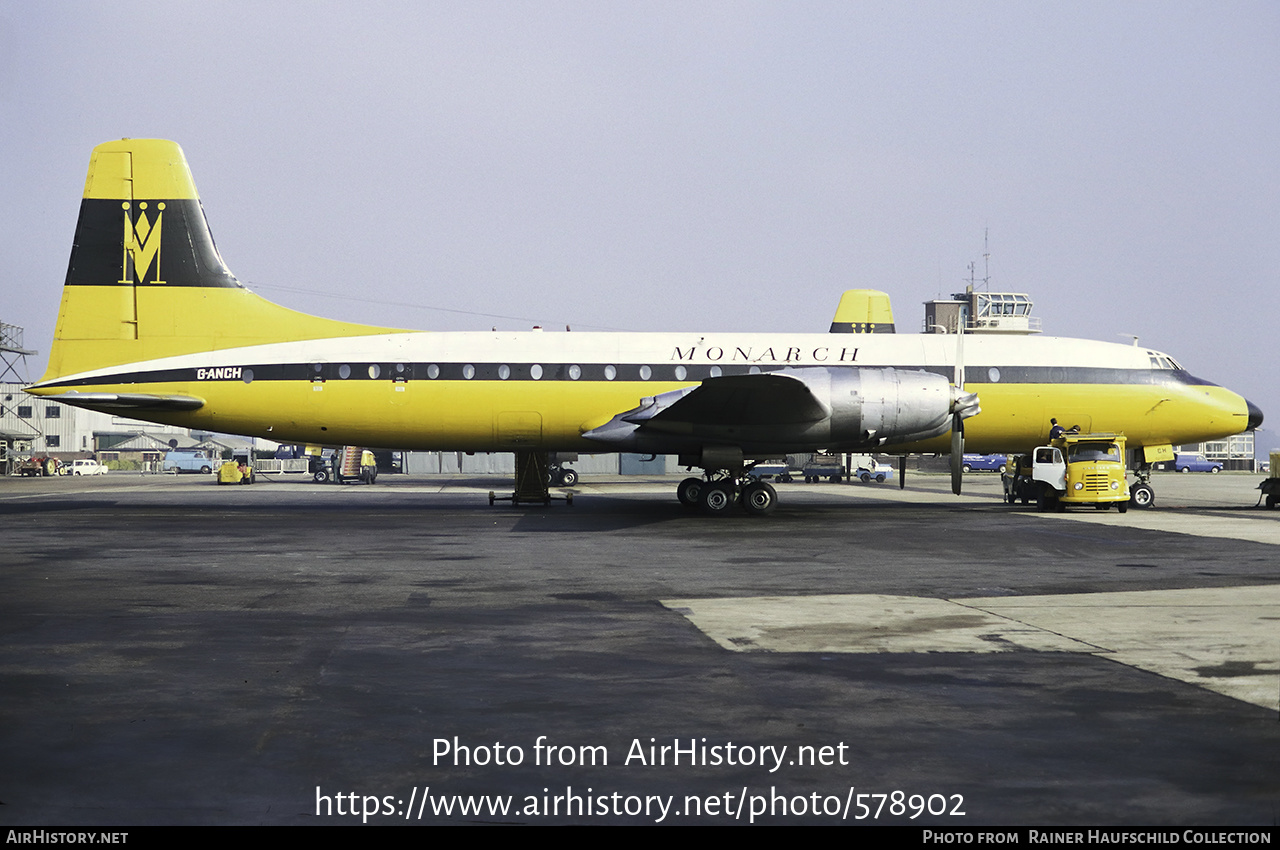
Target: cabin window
[[468, 371], [681, 373], [374, 371], [716, 371], [433, 371], [504, 371], [317, 372], [535, 371], [993, 374], [575, 372], [246, 375], [645, 373], [344, 371], [610, 372], [400, 373]]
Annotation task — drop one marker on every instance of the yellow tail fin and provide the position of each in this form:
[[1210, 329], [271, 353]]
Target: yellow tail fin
[[145, 279], [863, 311]]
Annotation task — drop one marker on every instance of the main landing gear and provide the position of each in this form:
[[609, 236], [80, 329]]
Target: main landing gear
[[720, 492]]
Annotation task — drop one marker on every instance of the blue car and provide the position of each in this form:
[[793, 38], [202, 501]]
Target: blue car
[[987, 463], [1195, 463]]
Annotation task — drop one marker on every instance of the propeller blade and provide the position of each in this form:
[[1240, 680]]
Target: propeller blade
[[957, 453]]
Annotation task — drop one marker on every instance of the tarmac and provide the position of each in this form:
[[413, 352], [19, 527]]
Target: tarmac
[[177, 652]]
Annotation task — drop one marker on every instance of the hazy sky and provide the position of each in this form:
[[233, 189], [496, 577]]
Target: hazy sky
[[670, 166]]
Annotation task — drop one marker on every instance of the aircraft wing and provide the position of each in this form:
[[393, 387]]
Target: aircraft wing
[[765, 401]]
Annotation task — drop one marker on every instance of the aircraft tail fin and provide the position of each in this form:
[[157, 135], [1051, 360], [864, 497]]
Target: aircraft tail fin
[[145, 279], [863, 311]]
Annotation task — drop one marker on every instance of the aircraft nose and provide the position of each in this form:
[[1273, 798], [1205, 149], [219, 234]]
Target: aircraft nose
[[1255, 415]]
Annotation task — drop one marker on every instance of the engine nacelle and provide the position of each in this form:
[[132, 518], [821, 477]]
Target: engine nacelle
[[788, 410], [872, 407]]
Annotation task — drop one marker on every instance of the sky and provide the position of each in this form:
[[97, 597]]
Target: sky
[[659, 166]]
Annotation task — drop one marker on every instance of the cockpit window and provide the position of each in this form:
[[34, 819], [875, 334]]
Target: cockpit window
[[1093, 451]]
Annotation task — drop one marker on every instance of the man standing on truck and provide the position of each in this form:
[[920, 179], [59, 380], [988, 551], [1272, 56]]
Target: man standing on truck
[[1057, 430]]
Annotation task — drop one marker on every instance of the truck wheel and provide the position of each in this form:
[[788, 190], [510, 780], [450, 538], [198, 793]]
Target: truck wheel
[[1002, 468], [866, 477], [320, 476], [967, 468], [1123, 507], [880, 478]]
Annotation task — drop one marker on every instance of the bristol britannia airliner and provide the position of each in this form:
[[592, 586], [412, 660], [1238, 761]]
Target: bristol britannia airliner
[[154, 326]]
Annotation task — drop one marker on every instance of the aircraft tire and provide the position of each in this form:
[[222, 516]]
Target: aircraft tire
[[568, 478], [1142, 496], [689, 492], [759, 498], [717, 499]]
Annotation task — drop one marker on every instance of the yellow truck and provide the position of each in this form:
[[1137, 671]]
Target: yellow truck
[[1074, 469]]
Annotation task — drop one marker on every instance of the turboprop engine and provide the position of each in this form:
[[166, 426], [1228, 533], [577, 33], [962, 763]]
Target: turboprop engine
[[791, 409]]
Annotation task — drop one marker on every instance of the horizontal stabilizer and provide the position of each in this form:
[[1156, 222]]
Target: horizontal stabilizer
[[126, 402]]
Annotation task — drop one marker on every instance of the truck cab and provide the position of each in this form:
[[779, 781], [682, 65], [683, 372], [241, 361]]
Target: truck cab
[[1075, 469]]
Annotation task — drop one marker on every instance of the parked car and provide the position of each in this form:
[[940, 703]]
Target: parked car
[[1195, 463], [83, 467], [985, 463], [878, 472], [191, 460]]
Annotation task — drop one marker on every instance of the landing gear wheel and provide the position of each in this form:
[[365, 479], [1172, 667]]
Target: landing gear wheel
[[568, 478], [717, 499], [689, 492], [759, 498], [1142, 496]]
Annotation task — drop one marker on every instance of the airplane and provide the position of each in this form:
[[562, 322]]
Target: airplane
[[154, 326]]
